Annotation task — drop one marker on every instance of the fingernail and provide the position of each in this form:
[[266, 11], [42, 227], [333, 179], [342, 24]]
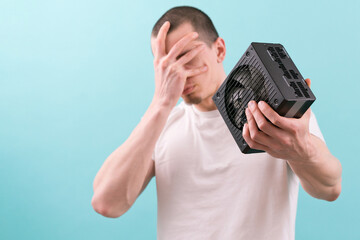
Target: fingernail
[[251, 105], [261, 104], [195, 35], [205, 68], [247, 112]]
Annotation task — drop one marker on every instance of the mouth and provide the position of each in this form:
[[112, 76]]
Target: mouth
[[188, 90]]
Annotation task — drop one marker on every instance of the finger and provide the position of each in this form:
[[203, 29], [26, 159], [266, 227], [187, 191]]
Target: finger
[[160, 40], [180, 45], [275, 118], [255, 134], [191, 54], [263, 124], [196, 71], [252, 144], [308, 81]]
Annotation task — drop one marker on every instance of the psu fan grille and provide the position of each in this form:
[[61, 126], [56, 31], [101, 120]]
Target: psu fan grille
[[248, 74]]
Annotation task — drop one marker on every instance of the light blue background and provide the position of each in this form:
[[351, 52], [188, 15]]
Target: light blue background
[[76, 77]]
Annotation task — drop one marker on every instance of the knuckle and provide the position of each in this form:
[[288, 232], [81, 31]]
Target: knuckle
[[291, 143], [257, 136], [180, 74], [285, 141], [176, 70], [177, 47], [294, 129], [254, 135], [275, 121], [244, 135], [251, 144], [180, 44], [164, 63], [171, 68], [156, 61], [262, 125]]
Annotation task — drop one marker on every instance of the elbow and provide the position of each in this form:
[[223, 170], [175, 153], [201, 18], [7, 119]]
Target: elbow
[[335, 193], [108, 210]]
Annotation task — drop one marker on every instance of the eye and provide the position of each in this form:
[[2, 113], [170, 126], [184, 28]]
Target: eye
[[181, 54]]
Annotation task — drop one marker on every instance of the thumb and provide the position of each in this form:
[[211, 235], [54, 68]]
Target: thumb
[[308, 81]]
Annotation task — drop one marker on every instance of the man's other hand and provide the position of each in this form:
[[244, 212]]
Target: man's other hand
[[170, 71], [282, 137]]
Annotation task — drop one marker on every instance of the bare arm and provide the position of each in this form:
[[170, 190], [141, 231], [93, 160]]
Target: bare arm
[[122, 176], [321, 175], [289, 139], [127, 171]]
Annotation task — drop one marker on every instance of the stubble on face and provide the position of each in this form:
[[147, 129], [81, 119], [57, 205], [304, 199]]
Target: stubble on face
[[192, 99], [196, 97]]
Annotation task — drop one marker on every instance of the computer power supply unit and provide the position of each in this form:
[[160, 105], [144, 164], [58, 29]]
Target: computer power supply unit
[[264, 72]]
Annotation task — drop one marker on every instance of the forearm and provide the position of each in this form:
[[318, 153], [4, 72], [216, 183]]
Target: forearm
[[321, 176], [121, 177]]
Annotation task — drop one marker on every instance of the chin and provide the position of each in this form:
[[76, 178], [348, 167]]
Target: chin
[[192, 99]]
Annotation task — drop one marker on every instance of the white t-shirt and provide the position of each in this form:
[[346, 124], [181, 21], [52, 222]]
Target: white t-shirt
[[208, 189]]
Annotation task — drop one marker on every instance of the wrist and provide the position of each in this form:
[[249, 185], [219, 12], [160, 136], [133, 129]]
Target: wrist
[[311, 152], [162, 106], [314, 149]]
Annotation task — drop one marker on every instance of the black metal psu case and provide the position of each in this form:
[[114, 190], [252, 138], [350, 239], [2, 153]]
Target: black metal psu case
[[265, 72]]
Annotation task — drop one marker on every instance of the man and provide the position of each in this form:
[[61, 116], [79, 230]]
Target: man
[[208, 189]]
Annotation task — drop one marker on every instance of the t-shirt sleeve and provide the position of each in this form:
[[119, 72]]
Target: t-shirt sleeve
[[314, 127]]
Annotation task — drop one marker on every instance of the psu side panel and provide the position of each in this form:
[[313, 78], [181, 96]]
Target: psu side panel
[[297, 95], [283, 71]]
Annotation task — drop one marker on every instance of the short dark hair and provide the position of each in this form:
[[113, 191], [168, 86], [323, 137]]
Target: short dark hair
[[186, 14]]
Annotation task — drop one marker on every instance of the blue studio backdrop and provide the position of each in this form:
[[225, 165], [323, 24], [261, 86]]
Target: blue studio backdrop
[[76, 77]]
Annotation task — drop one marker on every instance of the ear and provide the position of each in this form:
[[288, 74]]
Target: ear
[[220, 49]]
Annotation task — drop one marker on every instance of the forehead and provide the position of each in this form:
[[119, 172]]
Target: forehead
[[177, 34]]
